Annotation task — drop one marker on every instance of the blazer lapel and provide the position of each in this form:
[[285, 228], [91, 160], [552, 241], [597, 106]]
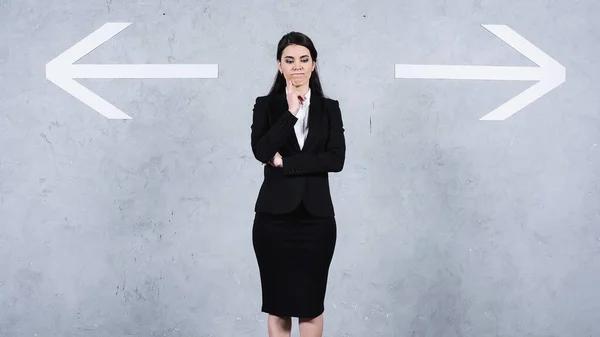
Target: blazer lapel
[[315, 111]]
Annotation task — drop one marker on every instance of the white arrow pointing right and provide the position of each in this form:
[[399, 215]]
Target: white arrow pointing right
[[550, 73]]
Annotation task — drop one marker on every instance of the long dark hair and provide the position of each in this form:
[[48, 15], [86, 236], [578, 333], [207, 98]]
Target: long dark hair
[[297, 38]]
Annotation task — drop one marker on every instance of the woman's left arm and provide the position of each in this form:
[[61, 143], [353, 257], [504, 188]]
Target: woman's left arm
[[332, 160]]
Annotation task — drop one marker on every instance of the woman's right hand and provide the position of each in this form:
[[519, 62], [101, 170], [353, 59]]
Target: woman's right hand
[[292, 98]]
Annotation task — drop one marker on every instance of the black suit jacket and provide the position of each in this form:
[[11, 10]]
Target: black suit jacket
[[304, 175]]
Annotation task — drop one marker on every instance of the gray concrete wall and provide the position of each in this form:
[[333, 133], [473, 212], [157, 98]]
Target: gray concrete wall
[[447, 225]]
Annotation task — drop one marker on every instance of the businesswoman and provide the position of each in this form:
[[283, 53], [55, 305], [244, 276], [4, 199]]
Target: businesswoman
[[298, 135]]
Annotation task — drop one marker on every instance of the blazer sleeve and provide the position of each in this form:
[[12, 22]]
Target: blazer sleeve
[[332, 160], [267, 140]]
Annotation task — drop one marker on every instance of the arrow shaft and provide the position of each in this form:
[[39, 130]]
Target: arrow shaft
[[143, 71], [469, 72]]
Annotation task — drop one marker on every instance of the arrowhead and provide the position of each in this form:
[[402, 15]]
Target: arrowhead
[[553, 73], [58, 71]]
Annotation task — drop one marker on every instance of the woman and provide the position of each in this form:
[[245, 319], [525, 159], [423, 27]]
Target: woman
[[298, 135]]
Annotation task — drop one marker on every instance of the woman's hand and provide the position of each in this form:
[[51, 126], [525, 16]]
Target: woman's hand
[[276, 162], [294, 98]]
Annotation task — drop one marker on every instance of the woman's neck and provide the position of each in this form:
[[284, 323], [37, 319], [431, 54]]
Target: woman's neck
[[304, 89]]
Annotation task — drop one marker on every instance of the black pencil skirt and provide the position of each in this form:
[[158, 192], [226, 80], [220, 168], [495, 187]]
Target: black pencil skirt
[[294, 252]]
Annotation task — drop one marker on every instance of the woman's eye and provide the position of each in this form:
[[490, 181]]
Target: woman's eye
[[290, 61]]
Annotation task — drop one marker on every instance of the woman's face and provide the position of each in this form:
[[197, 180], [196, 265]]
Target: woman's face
[[296, 64]]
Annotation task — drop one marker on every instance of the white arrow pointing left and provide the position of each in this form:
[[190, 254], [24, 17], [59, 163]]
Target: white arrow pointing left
[[61, 70]]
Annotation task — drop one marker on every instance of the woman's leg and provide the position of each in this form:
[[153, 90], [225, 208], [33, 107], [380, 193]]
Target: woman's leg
[[311, 327], [279, 326]]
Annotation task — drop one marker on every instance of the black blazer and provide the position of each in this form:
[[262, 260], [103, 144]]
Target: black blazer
[[304, 175]]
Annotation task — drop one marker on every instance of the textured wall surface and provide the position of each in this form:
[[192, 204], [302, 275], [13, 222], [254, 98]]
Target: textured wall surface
[[447, 225]]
